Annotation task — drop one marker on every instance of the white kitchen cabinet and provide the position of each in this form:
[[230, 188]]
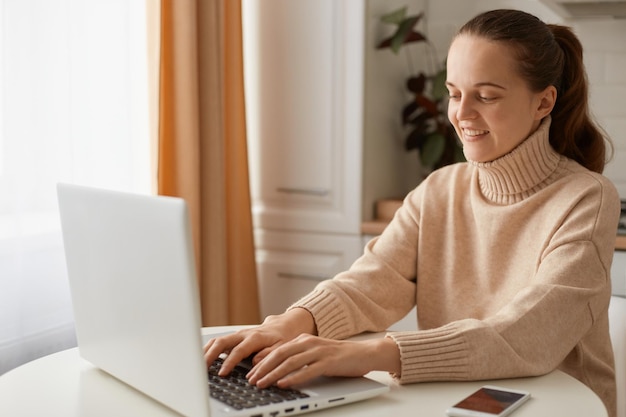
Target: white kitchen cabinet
[[291, 264], [304, 97]]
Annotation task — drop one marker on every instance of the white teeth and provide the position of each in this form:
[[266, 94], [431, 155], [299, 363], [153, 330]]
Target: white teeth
[[470, 132]]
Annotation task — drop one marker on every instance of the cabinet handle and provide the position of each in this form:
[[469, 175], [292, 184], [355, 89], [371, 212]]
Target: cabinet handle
[[303, 276], [307, 191]]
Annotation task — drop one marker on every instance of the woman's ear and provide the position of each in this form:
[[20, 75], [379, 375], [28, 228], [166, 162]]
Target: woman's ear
[[547, 99]]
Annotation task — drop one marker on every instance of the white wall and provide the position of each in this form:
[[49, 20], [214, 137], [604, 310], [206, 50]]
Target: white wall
[[605, 54], [388, 171]]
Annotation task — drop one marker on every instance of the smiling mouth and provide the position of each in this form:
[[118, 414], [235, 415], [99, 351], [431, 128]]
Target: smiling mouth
[[471, 133]]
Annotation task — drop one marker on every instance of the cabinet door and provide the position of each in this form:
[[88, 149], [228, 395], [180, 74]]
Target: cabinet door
[[304, 82], [290, 265]]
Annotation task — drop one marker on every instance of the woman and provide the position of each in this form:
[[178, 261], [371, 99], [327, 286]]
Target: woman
[[506, 257]]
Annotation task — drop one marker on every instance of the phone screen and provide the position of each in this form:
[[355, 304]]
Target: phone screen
[[489, 400]]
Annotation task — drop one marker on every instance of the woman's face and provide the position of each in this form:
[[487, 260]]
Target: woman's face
[[491, 107]]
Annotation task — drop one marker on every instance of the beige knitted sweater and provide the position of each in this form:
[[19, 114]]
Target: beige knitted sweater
[[508, 263]]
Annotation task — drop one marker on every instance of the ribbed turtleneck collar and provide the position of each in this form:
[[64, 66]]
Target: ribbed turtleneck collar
[[522, 172]]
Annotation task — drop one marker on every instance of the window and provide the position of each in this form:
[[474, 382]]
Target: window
[[73, 108]]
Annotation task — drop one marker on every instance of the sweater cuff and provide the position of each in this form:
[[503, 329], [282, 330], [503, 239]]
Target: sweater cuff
[[439, 354], [330, 318]]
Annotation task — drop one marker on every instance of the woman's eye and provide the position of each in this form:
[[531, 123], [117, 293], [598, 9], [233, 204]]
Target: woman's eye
[[486, 99]]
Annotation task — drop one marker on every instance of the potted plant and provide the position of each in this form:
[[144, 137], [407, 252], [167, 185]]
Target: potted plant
[[425, 115]]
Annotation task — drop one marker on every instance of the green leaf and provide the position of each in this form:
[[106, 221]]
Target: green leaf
[[439, 90], [432, 150], [406, 26], [396, 17]]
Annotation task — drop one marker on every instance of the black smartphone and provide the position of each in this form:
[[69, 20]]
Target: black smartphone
[[489, 401]]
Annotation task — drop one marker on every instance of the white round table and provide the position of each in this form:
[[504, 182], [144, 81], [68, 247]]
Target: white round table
[[65, 385]]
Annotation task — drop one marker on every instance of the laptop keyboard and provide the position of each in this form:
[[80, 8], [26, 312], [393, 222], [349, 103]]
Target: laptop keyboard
[[235, 391]]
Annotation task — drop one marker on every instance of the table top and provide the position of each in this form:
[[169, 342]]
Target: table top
[[65, 385]]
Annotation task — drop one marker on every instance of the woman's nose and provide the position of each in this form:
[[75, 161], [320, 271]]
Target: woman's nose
[[465, 109]]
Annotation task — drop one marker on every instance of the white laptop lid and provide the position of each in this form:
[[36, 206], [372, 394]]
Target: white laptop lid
[[136, 305], [133, 285]]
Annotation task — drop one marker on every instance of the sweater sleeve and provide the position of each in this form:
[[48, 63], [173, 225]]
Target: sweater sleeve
[[379, 288], [369, 297], [530, 336]]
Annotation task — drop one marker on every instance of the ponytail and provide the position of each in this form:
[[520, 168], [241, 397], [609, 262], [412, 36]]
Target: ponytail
[[573, 132]]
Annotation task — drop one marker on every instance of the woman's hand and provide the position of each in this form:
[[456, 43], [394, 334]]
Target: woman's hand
[[261, 340], [307, 357]]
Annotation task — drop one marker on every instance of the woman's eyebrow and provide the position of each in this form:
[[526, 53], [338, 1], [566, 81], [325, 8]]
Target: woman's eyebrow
[[480, 84]]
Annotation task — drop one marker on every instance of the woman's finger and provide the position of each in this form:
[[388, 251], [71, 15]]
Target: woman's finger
[[308, 357], [275, 368], [286, 359], [262, 354], [214, 347]]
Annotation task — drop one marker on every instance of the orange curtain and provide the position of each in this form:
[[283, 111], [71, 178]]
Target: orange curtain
[[202, 152]]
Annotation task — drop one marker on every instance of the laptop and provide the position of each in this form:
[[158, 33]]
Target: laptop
[[131, 270]]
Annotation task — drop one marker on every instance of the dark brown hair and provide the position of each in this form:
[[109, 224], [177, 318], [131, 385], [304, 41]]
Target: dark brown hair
[[549, 54]]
